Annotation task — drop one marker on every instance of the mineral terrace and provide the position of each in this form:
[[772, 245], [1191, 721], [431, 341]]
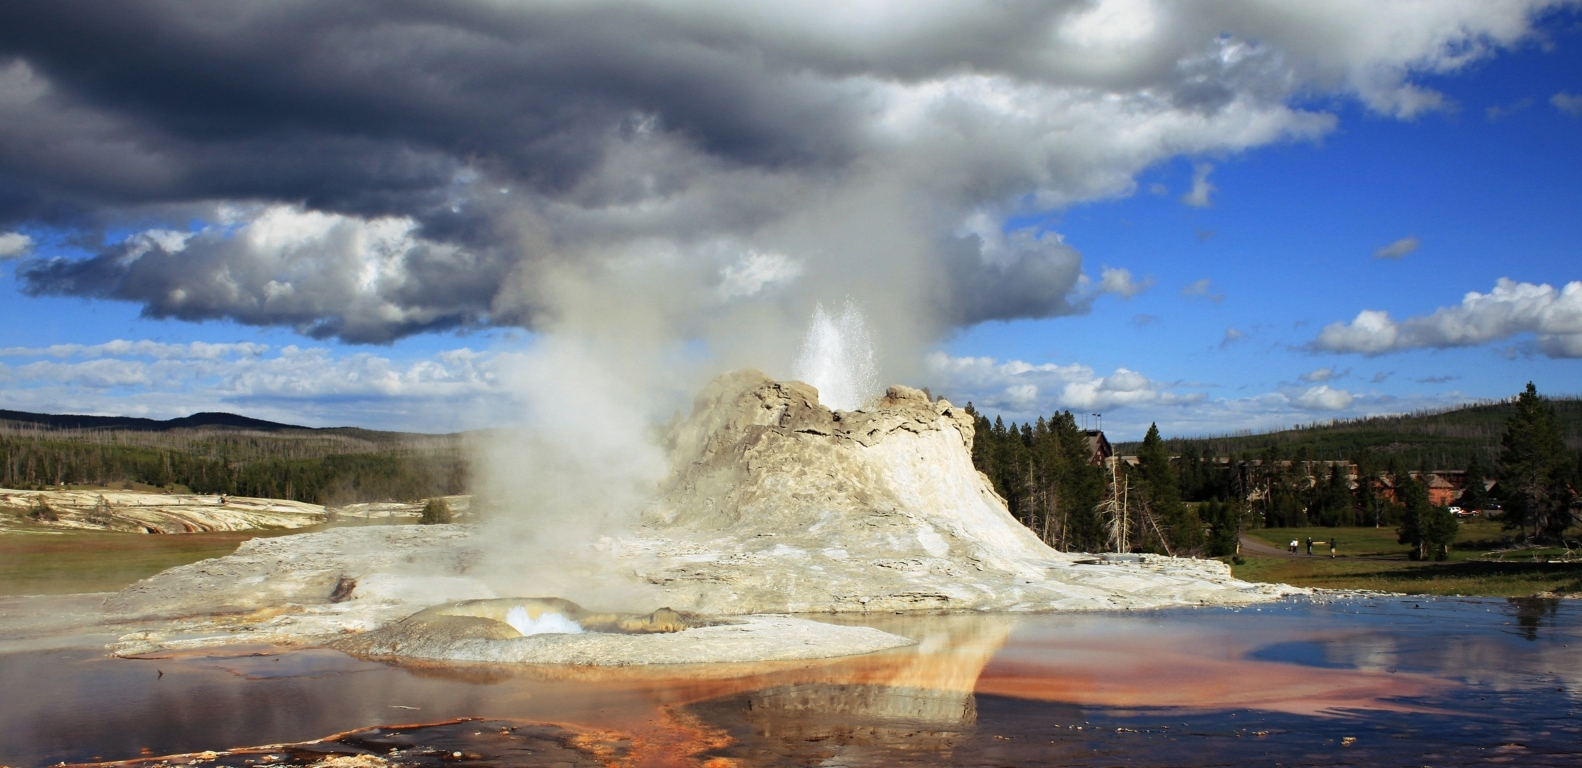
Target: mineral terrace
[[138, 512]]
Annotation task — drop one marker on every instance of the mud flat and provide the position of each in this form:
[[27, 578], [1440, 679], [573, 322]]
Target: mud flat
[[776, 505]]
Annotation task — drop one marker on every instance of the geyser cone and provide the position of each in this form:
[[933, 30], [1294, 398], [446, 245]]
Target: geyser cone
[[835, 510], [763, 458], [778, 503]]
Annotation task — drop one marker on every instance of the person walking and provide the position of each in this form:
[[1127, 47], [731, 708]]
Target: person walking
[[1293, 546], [1310, 546]]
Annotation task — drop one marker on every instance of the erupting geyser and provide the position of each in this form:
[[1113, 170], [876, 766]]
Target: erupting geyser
[[837, 358]]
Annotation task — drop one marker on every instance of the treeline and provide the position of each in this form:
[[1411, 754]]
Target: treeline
[[1043, 472], [1198, 502], [239, 444], [1440, 439], [304, 465]]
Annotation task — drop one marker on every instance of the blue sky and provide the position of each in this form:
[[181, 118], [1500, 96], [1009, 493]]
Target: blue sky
[[1239, 307], [1289, 244]]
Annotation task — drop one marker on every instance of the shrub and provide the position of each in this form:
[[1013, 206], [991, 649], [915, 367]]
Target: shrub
[[435, 512], [40, 510], [101, 514]]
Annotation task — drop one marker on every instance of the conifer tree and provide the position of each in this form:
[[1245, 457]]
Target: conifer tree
[[1162, 493], [1079, 485], [1331, 499], [1534, 469], [1439, 531], [1224, 521], [1474, 496], [1412, 497], [1429, 529]]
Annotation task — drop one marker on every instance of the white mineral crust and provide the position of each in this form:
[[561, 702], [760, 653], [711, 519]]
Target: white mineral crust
[[139, 512]]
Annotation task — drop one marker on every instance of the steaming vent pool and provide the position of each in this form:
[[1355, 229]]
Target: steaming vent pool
[[551, 630], [543, 624]]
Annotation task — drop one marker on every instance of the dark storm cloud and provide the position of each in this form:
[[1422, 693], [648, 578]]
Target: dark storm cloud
[[519, 146], [371, 107], [404, 285], [1026, 276]]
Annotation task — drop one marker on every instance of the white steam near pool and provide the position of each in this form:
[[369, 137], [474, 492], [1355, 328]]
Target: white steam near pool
[[546, 624]]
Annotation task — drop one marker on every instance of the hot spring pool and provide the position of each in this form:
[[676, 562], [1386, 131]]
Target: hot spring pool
[[1381, 681]]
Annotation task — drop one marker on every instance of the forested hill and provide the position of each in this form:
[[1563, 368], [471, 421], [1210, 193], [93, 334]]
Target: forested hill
[[227, 453], [206, 419], [1441, 439]]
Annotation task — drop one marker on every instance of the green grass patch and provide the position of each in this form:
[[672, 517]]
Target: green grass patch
[[1370, 558], [40, 563], [1355, 542], [1478, 539], [1468, 577]]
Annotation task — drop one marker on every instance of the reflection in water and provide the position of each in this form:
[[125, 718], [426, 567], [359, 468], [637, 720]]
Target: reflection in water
[[1201, 687], [909, 707], [431, 745], [1532, 611]]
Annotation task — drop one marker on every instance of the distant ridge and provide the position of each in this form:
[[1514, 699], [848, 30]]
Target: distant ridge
[[195, 421]]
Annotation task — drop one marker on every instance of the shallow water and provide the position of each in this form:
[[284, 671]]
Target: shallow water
[[1368, 682]]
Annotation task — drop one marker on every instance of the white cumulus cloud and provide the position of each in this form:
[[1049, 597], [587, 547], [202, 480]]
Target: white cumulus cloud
[[1202, 289], [1025, 389], [1198, 195], [1568, 103], [14, 244], [196, 350], [1398, 249], [1323, 398], [448, 390], [1121, 283], [1553, 315]]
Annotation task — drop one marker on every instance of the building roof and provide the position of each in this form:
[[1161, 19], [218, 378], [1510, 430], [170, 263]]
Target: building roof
[[1098, 446]]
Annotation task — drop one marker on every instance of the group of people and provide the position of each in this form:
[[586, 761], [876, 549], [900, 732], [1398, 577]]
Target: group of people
[[1295, 546]]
